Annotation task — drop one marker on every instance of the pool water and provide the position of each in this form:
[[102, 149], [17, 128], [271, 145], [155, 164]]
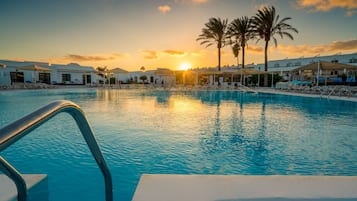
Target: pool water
[[180, 132]]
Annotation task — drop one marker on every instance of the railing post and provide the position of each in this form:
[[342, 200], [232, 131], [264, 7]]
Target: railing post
[[16, 177], [20, 128]]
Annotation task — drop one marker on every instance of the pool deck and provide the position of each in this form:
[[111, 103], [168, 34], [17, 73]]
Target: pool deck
[[257, 89], [36, 185], [245, 188], [283, 92]]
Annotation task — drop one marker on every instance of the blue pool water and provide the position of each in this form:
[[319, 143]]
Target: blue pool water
[[192, 132]]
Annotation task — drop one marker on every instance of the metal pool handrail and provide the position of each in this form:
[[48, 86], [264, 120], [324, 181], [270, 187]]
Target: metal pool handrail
[[18, 129]]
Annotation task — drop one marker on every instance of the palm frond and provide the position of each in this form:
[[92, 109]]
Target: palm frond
[[214, 32]]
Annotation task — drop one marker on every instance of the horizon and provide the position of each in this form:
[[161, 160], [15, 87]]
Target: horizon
[[177, 69], [162, 33]]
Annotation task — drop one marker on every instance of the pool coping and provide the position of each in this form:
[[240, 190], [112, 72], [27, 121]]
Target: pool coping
[[163, 187], [257, 89], [34, 182], [282, 92]]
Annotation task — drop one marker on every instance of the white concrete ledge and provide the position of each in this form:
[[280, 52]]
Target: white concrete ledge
[[244, 188], [36, 186]]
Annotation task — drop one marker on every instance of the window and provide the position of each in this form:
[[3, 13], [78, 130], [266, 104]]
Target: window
[[353, 60], [44, 77], [276, 65], [66, 77], [17, 76]]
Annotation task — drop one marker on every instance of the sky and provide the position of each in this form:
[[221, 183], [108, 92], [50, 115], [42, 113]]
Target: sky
[[130, 34]]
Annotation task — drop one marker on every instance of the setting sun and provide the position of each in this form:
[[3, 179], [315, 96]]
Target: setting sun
[[185, 66]]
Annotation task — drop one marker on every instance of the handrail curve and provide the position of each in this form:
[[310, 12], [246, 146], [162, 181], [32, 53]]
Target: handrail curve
[[19, 128]]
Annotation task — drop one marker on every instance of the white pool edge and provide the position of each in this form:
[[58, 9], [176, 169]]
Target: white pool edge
[[36, 187], [161, 187]]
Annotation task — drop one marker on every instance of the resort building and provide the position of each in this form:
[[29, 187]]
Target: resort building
[[291, 64], [40, 72], [326, 70], [28, 72], [73, 74], [119, 75], [160, 76], [342, 67], [286, 67]]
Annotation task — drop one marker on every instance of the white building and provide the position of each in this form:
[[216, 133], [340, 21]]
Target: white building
[[120, 75], [285, 65], [73, 74], [160, 76], [41, 72]]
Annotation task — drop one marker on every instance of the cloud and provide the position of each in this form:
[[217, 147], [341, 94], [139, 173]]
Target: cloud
[[309, 50], [120, 55], [192, 1], [254, 49], [327, 5], [153, 54], [349, 13], [199, 53], [175, 52], [75, 57], [84, 58], [261, 6], [343, 45], [149, 54], [199, 1], [18, 59], [164, 8]]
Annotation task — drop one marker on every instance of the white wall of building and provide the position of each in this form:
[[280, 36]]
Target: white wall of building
[[76, 71], [57, 70], [4, 77], [290, 64]]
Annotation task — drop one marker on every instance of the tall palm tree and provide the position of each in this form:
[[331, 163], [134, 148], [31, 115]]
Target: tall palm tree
[[240, 29], [265, 25], [103, 72], [214, 32], [236, 49]]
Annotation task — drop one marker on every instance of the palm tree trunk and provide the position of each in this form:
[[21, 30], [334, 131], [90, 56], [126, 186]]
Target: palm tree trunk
[[219, 59], [266, 64], [243, 56], [243, 62]]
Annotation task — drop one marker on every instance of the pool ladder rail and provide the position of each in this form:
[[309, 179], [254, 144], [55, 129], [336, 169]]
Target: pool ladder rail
[[18, 129]]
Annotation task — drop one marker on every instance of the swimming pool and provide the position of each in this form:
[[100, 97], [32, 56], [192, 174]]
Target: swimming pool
[[180, 132]]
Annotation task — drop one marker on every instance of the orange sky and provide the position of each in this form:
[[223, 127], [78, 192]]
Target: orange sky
[[162, 33]]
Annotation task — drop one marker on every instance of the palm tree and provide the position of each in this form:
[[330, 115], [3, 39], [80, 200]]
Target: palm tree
[[214, 32], [236, 49], [266, 24], [103, 72], [240, 29]]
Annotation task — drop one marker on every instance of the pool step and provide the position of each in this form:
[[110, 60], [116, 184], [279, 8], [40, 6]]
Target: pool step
[[244, 187], [36, 184]]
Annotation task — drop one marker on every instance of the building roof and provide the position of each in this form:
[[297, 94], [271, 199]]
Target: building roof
[[324, 65], [118, 70], [34, 67], [164, 71]]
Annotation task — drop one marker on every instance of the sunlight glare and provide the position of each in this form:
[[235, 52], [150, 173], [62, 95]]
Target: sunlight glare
[[185, 66]]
